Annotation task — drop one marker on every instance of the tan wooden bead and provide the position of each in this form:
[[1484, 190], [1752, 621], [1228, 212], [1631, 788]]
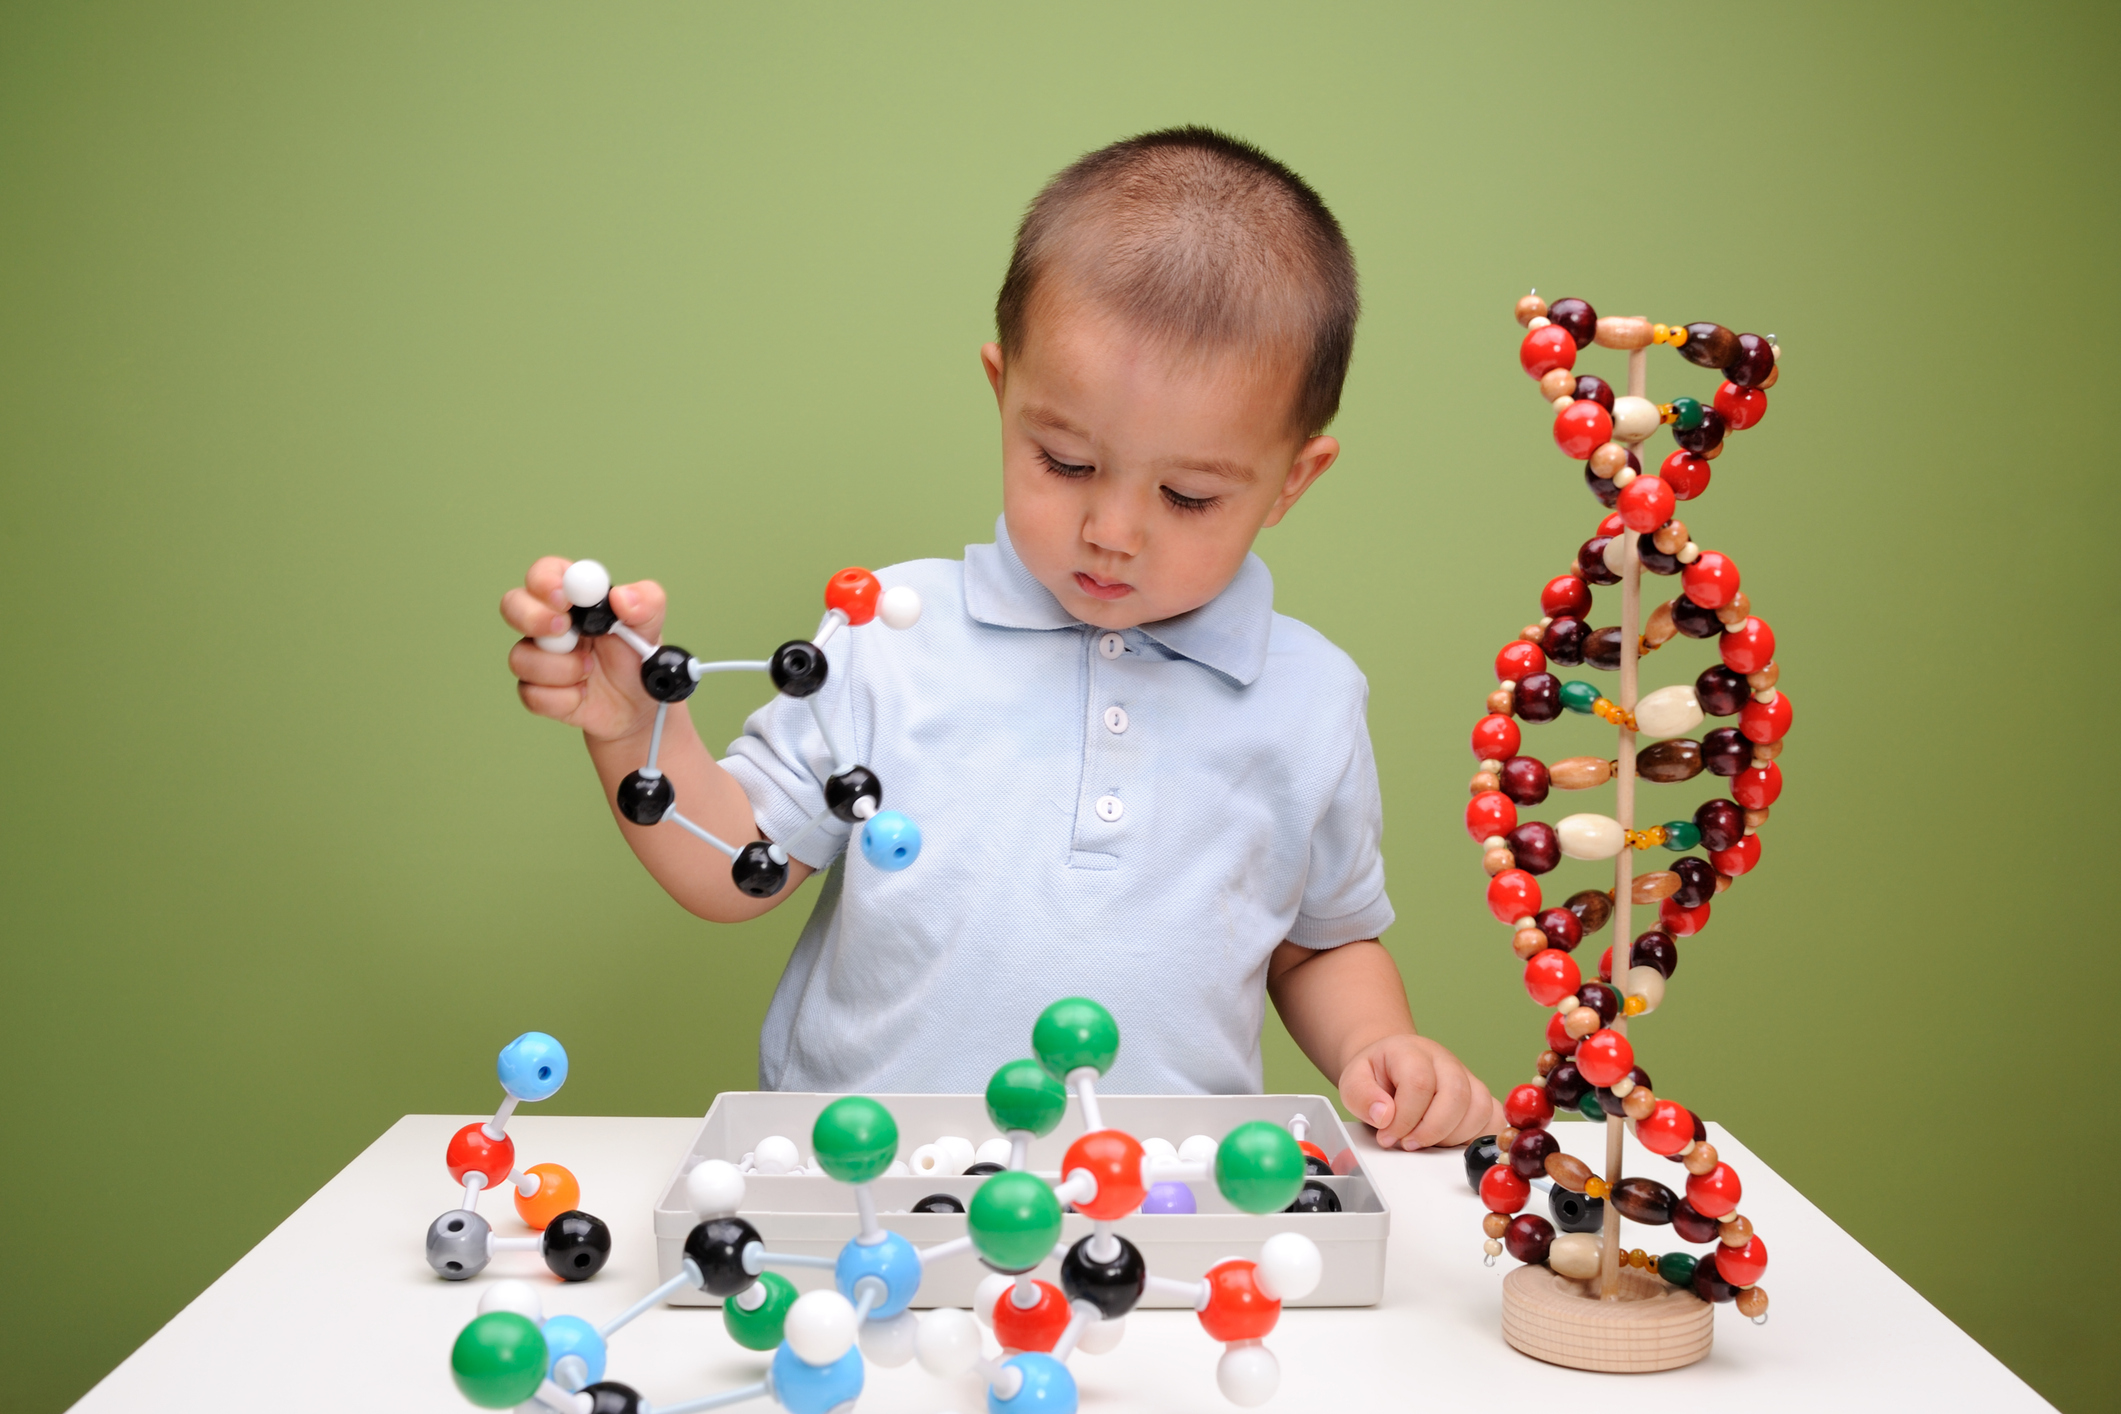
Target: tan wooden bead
[[1494, 1224], [1579, 772], [1497, 860], [1723, 881], [1654, 888], [1610, 460], [1735, 1230], [1526, 942], [1766, 751], [1735, 613], [1581, 1022], [1501, 701], [1529, 308], [1670, 536], [1569, 1171], [1752, 1302], [1765, 678], [1547, 1061], [1483, 782], [1701, 1158], [1772, 374], [1557, 383], [1660, 628], [1639, 1103], [1754, 819], [1623, 331], [1505, 1139]]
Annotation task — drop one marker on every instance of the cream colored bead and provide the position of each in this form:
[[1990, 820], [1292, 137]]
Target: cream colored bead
[[1766, 696], [1634, 419], [1491, 1247], [1574, 1255], [1562, 404], [1648, 984], [1616, 550], [1590, 836], [1538, 321], [1669, 711], [1624, 1087], [1623, 477], [1688, 553]]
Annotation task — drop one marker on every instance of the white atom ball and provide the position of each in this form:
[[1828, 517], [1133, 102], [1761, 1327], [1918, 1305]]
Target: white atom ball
[[900, 607], [1248, 1373], [820, 1327], [947, 1342], [559, 642], [517, 1296], [994, 1151], [586, 583], [1669, 711], [898, 1169], [991, 1289], [957, 1153], [776, 1153], [1289, 1266], [1161, 1151], [889, 1342], [714, 1189], [1634, 419], [1101, 1336], [1197, 1149], [1590, 836], [929, 1160]]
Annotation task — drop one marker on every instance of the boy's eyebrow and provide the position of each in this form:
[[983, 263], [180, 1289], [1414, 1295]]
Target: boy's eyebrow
[[1052, 421]]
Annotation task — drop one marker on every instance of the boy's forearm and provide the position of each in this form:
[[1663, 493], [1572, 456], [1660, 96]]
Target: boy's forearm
[[689, 869], [1337, 1001]]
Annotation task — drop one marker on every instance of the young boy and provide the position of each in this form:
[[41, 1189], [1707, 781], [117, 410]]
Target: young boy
[[1135, 781]]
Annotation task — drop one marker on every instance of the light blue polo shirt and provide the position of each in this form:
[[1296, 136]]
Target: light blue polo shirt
[[1138, 817]]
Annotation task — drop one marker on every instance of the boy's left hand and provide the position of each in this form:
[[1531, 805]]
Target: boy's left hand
[[1417, 1094]]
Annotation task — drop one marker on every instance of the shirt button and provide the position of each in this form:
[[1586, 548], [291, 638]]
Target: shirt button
[[1111, 645], [1110, 808], [1115, 720]]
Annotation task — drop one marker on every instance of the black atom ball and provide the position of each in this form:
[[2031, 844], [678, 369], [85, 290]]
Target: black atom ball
[[1112, 1287], [1315, 1167], [645, 800], [594, 621], [576, 1246], [1481, 1155], [716, 1247], [1315, 1198], [798, 667], [982, 1170], [756, 872], [853, 784], [1575, 1212], [611, 1397], [666, 674], [939, 1203]]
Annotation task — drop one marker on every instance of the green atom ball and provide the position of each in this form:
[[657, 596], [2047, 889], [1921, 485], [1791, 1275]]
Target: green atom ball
[[1014, 1220], [855, 1139], [499, 1360], [1259, 1168], [1022, 1096], [760, 1329], [1074, 1033]]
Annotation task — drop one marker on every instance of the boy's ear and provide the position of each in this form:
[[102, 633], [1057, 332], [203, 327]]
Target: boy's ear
[[990, 357], [1311, 462]]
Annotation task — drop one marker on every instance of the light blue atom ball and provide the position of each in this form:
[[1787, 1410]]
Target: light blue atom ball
[[893, 1261], [1048, 1388], [891, 841], [802, 1388], [532, 1067], [571, 1335]]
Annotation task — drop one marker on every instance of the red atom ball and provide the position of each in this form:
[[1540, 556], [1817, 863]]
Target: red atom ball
[[1716, 1193], [1495, 738], [1551, 975], [1565, 595], [1518, 661], [1489, 814], [1711, 580], [1503, 1191], [1741, 858], [1237, 1309], [1037, 1327], [472, 1151], [1604, 1057], [1766, 721], [1527, 1107], [1749, 647], [1742, 1266], [1645, 503], [1682, 922], [1668, 1128], [1559, 1041], [1545, 350], [1513, 894], [1758, 788], [1686, 474], [1582, 428], [854, 592], [1114, 1158], [1741, 407]]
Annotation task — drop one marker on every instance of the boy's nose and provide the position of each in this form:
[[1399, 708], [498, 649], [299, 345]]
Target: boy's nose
[[1113, 526]]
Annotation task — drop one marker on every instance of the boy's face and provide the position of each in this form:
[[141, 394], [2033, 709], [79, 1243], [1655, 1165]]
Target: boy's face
[[1135, 479]]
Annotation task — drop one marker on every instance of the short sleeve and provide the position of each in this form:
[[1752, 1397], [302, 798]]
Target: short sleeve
[[1344, 891], [782, 760]]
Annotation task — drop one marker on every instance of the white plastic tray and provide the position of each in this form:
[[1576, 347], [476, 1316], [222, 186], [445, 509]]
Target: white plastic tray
[[811, 1215]]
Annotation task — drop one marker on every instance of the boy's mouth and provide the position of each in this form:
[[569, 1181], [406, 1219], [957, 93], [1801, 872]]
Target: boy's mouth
[[1096, 588]]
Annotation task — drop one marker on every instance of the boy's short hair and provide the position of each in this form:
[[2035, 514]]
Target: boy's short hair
[[1200, 238]]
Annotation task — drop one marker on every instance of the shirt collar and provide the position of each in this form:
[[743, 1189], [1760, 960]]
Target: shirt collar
[[1228, 634]]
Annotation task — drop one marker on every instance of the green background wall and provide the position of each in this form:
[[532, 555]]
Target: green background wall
[[320, 322]]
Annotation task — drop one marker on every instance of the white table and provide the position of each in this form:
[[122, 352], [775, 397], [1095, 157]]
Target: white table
[[337, 1310]]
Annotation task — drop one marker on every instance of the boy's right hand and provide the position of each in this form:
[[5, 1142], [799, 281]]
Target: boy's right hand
[[597, 687]]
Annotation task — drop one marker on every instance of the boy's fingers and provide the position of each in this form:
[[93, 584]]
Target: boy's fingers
[[638, 604], [1482, 1116], [1367, 1100], [527, 614], [543, 581], [1446, 1108], [533, 665], [558, 703], [1413, 1081]]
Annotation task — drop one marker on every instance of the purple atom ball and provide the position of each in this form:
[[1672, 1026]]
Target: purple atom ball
[[1169, 1198]]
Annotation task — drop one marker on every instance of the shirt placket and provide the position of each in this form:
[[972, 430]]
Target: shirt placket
[[1113, 797]]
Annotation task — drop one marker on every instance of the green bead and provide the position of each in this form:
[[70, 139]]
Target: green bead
[[1578, 696], [855, 1139], [760, 1329], [499, 1360], [1677, 1268], [1022, 1096], [1590, 1107], [1074, 1033], [1681, 835], [1686, 414], [1014, 1220], [1259, 1168]]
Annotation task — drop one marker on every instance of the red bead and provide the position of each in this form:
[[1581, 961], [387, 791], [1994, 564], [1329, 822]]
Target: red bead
[[1749, 647], [1545, 350], [1559, 1041], [1237, 1309], [1605, 965], [471, 1150], [1611, 525], [1114, 1159], [1527, 1107], [1582, 428], [1668, 1128], [1742, 1266], [1519, 660], [1740, 858], [1686, 474], [1645, 504], [1758, 788], [1495, 738], [1514, 894], [1604, 1057], [1711, 580], [1714, 1194], [1741, 407], [1766, 721], [1502, 1190], [854, 592], [1564, 929], [1682, 922], [1035, 1327], [1565, 596], [1489, 814], [1551, 975]]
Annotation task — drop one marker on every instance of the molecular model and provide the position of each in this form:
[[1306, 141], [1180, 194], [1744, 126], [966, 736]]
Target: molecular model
[[480, 1156], [510, 1354], [798, 668]]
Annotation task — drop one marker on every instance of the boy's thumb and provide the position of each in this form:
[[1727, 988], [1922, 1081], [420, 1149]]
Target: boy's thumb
[[1367, 1100]]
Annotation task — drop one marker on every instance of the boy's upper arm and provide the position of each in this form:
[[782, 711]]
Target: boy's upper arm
[[781, 761], [1344, 897]]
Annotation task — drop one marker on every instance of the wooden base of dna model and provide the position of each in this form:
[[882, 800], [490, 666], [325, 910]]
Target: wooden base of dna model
[[1652, 1326]]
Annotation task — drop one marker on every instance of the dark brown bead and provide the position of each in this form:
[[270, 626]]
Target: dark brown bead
[[1750, 366], [1693, 620], [1668, 762], [1563, 929], [1529, 1150], [1691, 1225], [1528, 1238], [1721, 822], [1592, 908], [1593, 389], [1535, 846], [1644, 1200], [1581, 321], [1709, 1284], [1607, 493], [1612, 1104], [1655, 949], [1702, 440], [1590, 562], [1726, 751], [1602, 649], [1600, 998], [1653, 559], [1539, 697], [1566, 1087], [1525, 780], [1564, 640], [1723, 693], [1697, 882], [1707, 345]]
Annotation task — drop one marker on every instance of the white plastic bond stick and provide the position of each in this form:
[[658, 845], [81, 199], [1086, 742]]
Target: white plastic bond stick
[[1024, 1295], [865, 1204], [871, 1291], [652, 1300], [1172, 1171], [1005, 1380], [1079, 1316], [676, 818], [1079, 1187], [570, 1372], [562, 1401], [713, 1401], [632, 640], [513, 1244], [1104, 1246], [655, 741], [840, 760], [1084, 1079], [942, 1250], [1299, 1128], [526, 1184], [1194, 1292], [498, 1125], [765, 1259], [699, 669], [473, 1182], [832, 623], [751, 1297], [1019, 1148], [809, 827]]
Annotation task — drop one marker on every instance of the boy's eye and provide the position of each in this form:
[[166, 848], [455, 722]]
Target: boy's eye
[[1179, 502], [1060, 468]]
